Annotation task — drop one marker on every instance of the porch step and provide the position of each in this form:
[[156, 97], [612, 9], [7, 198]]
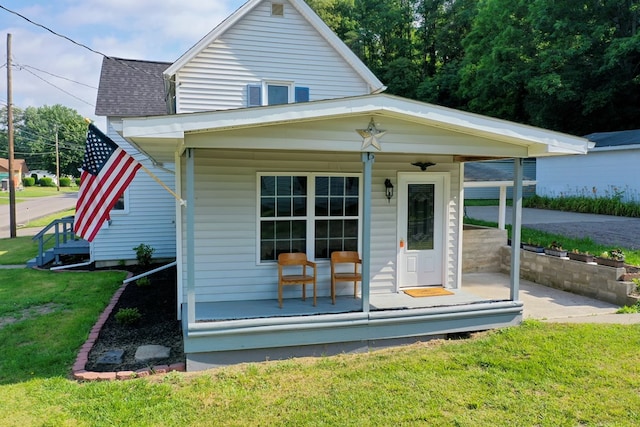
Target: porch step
[[72, 247]]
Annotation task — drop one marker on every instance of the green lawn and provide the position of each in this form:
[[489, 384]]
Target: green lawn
[[32, 192], [533, 375], [45, 317]]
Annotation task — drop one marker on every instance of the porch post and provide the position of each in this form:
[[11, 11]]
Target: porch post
[[516, 223], [191, 263], [502, 209], [367, 160]]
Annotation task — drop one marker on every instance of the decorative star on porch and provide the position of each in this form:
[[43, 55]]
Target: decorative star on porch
[[371, 135]]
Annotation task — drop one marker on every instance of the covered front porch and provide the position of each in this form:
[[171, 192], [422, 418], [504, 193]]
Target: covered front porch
[[250, 331]]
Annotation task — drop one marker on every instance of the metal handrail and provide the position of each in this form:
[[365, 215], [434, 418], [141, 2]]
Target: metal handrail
[[63, 233]]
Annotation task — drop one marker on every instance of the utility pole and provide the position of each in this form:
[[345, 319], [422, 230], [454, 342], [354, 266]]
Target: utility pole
[[57, 161], [12, 187]]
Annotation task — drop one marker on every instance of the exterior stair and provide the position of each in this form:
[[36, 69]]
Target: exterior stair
[[55, 240]]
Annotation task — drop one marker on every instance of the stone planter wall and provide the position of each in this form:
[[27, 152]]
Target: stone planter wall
[[481, 248], [591, 280]]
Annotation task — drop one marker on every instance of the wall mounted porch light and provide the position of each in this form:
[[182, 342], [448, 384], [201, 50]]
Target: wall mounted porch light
[[388, 186]]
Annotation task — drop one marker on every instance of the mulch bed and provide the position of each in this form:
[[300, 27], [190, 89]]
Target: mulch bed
[[158, 325]]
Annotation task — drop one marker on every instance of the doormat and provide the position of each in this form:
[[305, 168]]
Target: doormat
[[427, 292]]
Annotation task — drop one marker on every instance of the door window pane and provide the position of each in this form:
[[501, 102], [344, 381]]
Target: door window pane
[[420, 216]]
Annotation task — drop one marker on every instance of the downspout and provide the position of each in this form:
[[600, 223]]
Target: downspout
[[191, 280], [516, 222], [367, 160]]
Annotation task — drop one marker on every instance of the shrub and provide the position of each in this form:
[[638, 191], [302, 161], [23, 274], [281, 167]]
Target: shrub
[[28, 181], [143, 282], [128, 316], [65, 181], [144, 254], [77, 180], [45, 181]]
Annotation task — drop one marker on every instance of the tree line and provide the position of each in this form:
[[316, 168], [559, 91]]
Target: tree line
[[571, 66], [35, 133]]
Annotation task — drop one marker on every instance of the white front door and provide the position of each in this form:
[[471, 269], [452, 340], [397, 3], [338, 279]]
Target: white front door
[[420, 229]]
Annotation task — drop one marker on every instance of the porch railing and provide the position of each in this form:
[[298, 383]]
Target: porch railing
[[61, 241]]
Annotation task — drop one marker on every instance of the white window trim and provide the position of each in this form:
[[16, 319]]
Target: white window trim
[[310, 218], [125, 209]]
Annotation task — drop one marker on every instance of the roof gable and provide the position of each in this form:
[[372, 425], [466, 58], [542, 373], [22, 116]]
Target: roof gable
[[131, 88], [308, 14]]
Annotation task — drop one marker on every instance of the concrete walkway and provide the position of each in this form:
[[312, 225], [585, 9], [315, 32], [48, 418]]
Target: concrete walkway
[[545, 303]]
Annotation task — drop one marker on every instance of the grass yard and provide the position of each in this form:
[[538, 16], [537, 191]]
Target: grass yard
[[33, 192], [537, 374], [18, 250], [45, 317]]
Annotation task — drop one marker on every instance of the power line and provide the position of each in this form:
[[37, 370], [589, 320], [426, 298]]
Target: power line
[[75, 42], [57, 87], [55, 75]]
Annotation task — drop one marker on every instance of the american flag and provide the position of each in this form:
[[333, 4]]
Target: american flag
[[107, 170]]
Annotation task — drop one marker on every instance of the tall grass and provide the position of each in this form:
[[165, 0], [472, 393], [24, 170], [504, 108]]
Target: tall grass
[[611, 203]]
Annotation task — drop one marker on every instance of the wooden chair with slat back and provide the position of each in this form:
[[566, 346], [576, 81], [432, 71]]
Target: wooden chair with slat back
[[287, 262], [345, 257]]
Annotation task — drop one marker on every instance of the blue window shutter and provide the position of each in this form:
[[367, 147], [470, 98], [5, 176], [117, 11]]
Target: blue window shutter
[[302, 94], [254, 95]]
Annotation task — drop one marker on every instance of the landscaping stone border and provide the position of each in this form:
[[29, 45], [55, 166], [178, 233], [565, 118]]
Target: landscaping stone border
[[81, 374], [588, 279]]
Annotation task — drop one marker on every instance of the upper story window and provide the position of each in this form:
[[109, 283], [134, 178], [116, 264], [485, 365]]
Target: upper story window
[[274, 93]]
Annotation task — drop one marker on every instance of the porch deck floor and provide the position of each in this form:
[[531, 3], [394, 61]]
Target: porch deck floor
[[234, 310]]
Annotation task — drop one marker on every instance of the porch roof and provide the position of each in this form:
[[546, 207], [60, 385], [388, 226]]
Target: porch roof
[[330, 125]]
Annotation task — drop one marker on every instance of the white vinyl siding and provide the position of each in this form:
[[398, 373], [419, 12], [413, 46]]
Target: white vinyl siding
[[606, 172], [261, 48], [149, 217], [226, 221]]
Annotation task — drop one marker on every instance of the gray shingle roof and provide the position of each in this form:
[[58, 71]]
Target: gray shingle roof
[[615, 139], [131, 88]]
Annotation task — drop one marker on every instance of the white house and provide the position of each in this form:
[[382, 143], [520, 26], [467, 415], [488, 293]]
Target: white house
[[609, 170], [282, 142]]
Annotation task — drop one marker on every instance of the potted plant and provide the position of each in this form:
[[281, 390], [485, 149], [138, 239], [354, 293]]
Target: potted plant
[[555, 249], [576, 255], [533, 247], [612, 258]]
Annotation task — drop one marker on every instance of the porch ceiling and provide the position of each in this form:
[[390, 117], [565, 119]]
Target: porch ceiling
[[330, 125]]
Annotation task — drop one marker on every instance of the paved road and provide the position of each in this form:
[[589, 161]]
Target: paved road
[[31, 209], [603, 229]]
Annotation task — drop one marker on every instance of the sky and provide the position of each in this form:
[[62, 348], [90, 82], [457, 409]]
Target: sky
[[49, 70]]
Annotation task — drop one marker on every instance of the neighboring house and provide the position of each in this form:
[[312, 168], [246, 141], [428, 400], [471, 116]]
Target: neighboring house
[[281, 142], [497, 170], [609, 170], [496, 176], [20, 170], [44, 174]]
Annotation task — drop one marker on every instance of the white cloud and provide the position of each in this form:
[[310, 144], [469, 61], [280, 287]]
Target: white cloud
[[141, 29]]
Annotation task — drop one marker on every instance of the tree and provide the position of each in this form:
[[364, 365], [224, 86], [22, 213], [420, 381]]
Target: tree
[[35, 136]]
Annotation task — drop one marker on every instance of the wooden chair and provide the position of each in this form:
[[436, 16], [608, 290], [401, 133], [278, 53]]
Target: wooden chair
[[345, 257], [290, 261]]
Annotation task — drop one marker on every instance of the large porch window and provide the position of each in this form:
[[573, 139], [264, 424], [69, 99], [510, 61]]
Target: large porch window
[[311, 213]]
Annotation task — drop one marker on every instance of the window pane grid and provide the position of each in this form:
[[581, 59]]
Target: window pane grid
[[334, 215]]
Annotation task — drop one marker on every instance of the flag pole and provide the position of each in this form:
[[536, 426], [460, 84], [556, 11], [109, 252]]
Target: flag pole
[[173, 193], [152, 175]]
